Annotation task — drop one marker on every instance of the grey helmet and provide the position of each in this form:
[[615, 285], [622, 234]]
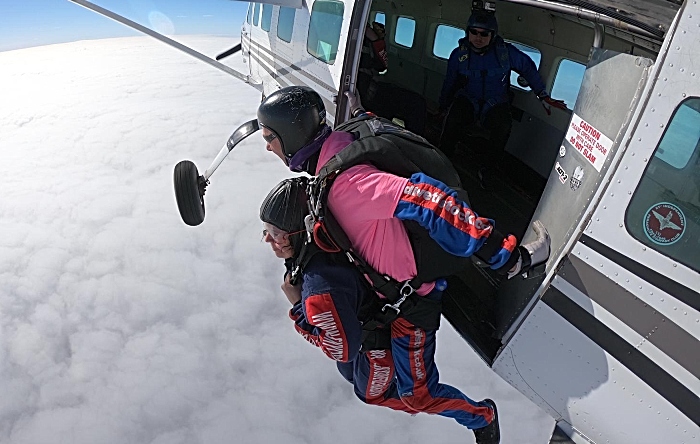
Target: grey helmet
[[295, 115], [286, 205]]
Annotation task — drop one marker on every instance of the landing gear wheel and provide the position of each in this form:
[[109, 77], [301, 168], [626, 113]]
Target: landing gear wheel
[[189, 192], [190, 186]]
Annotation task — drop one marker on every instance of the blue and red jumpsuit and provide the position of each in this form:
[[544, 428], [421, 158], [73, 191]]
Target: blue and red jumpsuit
[[327, 317], [370, 206]]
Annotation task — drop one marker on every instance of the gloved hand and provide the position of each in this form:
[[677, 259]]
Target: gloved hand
[[560, 104], [354, 102], [293, 292]]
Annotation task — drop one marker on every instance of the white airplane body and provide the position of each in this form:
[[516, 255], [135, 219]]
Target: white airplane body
[[606, 338]]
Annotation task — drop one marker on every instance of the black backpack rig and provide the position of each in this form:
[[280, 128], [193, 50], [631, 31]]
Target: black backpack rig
[[395, 150]]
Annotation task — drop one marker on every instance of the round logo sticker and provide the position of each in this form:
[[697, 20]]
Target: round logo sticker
[[664, 223]]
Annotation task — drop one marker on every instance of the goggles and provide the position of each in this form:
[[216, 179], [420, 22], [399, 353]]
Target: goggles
[[473, 31], [277, 234], [269, 137]]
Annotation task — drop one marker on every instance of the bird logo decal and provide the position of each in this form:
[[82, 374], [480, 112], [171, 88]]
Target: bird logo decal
[[664, 223]]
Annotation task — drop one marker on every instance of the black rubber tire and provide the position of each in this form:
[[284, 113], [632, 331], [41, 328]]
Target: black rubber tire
[[189, 201]]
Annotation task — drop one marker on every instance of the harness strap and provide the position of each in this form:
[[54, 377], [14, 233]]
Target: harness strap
[[482, 100], [331, 238], [394, 291], [399, 298], [308, 250], [503, 57]]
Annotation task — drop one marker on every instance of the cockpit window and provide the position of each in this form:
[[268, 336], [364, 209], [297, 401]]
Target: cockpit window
[[256, 14], [681, 139], [266, 21], [324, 30], [285, 23], [664, 213]]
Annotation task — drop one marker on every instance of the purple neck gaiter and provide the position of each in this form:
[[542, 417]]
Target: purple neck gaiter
[[299, 159]]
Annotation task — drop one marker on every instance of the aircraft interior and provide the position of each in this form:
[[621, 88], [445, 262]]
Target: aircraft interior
[[420, 36]]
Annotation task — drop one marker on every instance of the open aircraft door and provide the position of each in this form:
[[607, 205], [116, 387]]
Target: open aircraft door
[[539, 342], [598, 123], [608, 323]]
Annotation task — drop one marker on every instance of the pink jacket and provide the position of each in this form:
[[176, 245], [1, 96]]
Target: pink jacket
[[363, 200]]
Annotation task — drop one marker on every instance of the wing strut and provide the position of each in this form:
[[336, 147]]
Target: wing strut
[[162, 38], [228, 52]]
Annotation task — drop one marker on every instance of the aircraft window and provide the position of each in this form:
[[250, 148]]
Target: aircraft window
[[324, 29], [531, 52], [379, 17], [664, 212], [405, 31], [285, 23], [567, 82], [250, 12], [256, 14], [680, 141], [266, 21], [446, 39]]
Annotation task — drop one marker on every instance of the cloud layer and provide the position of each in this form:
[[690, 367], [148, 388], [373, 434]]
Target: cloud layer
[[118, 323]]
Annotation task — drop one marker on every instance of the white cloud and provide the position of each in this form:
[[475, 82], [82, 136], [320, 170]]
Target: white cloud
[[118, 323]]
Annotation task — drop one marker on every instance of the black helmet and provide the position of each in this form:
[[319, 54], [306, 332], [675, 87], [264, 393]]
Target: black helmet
[[483, 20], [295, 115], [286, 205]]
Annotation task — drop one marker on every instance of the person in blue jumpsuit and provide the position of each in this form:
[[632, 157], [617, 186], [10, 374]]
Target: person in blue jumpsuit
[[329, 306], [293, 126], [476, 89], [327, 301]]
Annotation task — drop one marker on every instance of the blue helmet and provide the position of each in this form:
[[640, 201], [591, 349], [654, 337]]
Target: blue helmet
[[483, 20]]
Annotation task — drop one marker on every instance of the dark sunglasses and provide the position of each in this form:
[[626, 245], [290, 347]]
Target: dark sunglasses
[[270, 137], [481, 33]]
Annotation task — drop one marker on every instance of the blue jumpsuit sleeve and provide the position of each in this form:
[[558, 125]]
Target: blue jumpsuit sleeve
[[450, 79], [326, 316], [523, 65], [448, 219]]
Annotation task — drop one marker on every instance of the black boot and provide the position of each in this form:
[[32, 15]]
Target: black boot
[[491, 434]]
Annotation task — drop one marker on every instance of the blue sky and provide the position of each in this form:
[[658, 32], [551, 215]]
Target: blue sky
[[25, 23]]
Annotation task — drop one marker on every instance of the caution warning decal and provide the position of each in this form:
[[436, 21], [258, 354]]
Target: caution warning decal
[[588, 141]]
